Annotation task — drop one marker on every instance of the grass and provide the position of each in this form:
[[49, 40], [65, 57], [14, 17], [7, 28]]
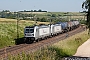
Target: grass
[[69, 46], [8, 30], [42, 54]]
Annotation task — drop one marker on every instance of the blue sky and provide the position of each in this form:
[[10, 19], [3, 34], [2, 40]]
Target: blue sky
[[49, 5]]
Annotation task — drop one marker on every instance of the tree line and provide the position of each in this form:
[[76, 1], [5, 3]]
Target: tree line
[[16, 15], [33, 11]]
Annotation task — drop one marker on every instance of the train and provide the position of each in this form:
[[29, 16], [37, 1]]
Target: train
[[36, 33]]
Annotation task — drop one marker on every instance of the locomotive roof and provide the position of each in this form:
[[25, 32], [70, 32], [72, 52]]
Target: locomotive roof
[[61, 22], [29, 26], [43, 26], [36, 26]]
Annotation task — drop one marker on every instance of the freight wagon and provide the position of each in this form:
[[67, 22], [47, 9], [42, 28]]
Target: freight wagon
[[64, 26]]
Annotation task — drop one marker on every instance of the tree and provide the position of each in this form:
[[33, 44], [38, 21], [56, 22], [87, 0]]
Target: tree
[[54, 15], [39, 10], [35, 10], [86, 5], [31, 10], [43, 19]]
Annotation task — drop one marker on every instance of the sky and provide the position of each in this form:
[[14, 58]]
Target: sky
[[48, 5]]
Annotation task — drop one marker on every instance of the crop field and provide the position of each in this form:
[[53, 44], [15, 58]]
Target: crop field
[[32, 12], [20, 21], [8, 30]]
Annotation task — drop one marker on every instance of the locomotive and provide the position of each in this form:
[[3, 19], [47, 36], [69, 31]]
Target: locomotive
[[36, 33]]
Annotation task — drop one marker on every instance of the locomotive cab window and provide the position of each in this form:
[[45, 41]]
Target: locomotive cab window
[[27, 31], [31, 30]]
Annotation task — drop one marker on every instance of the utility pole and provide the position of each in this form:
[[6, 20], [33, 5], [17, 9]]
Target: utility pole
[[17, 25], [70, 17], [50, 22], [35, 20], [67, 16]]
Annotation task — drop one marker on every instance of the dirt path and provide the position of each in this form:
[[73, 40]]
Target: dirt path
[[84, 49]]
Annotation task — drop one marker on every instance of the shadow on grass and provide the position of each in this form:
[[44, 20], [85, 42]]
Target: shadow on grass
[[59, 53], [19, 41]]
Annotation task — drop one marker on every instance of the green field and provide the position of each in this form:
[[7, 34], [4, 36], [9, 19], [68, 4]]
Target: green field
[[64, 15], [61, 16]]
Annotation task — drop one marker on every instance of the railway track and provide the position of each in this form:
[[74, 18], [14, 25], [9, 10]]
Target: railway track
[[35, 46]]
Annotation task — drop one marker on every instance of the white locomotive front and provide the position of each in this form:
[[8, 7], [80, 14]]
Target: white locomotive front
[[29, 33], [36, 32]]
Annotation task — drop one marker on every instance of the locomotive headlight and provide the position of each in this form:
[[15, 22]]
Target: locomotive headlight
[[32, 34]]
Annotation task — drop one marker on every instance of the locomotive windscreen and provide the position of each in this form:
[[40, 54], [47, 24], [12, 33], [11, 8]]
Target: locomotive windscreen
[[29, 30]]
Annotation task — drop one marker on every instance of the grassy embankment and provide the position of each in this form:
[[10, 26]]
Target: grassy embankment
[[58, 50], [69, 46], [8, 30]]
